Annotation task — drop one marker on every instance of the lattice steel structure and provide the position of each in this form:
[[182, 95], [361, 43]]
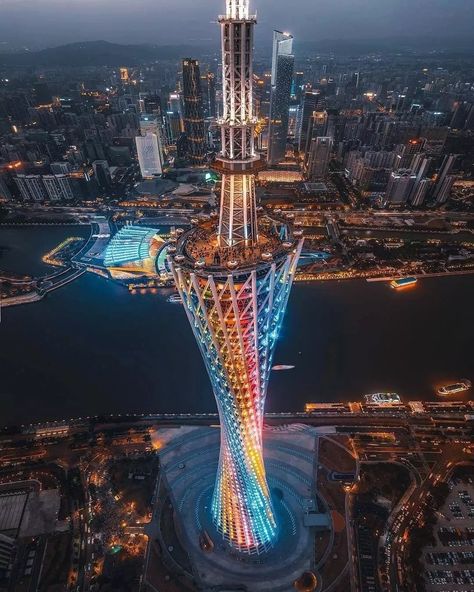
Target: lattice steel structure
[[235, 279], [238, 160]]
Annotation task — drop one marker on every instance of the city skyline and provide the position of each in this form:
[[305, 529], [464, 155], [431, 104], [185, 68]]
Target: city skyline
[[236, 297], [50, 22]]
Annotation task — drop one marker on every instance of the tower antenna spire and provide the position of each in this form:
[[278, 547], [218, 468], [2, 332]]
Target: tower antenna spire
[[237, 9]]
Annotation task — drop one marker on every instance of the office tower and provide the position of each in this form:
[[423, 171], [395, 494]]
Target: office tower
[[193, 112], [182, 145], [319, 156], [120, 156], [400, 187], [283, 62], [317, 129], [292, 121], [174, 126], [318, 160], [152, 105], [150, 155], [335, 125], [149, 124], [420, 192], [310, 104], [209, 83], [31, 187], [175, 104], [174, 118], [124, 76], [234, 278], [102, 173], [297, 87], [318, 124], [94, 150], [441, 190], [460, 115]]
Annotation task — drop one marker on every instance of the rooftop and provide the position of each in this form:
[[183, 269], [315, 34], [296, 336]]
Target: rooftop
[[199, 247]]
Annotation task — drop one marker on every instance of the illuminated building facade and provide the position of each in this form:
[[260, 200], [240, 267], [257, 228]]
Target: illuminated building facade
[[133, 251], [319, 156], [193, 111], [234, 278], [283, 62], [150, 155]]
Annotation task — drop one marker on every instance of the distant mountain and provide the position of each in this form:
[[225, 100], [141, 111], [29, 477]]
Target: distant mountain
[[386, 45], [103, 53], [97, 53]]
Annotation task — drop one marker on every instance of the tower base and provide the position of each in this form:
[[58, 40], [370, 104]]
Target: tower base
[[188, 540]]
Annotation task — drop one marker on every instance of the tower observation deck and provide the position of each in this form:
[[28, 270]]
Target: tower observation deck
[[234, 278]]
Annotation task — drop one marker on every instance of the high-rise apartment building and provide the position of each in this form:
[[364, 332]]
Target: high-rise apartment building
[[443, 187], [283, 62], [420, 192], [45, 187], [400, 187], [407, 152], [31, 187], [60, 168], [58, 187]]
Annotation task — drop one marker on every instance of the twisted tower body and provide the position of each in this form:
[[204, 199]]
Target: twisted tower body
[[234, 279]]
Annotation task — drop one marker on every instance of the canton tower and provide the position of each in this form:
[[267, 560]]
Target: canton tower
[[234, 277]]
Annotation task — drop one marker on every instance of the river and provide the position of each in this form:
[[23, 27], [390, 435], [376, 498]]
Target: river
[[91, 347]]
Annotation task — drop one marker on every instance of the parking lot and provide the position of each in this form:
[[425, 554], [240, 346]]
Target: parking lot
[[450, 563]]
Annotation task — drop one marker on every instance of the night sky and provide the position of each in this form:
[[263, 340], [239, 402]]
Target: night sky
[[39, 23]]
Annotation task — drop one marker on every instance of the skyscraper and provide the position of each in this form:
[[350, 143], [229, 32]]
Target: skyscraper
[[193, 111], [442, 187], [150, 155], [400, 187], [297, 87], [318, 161], [234, 279], [209, 82], [149, 124], [31, 187], [58, 187], [420, 192], [407, 152], [310, 103], [318, 124], [283, 62]]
